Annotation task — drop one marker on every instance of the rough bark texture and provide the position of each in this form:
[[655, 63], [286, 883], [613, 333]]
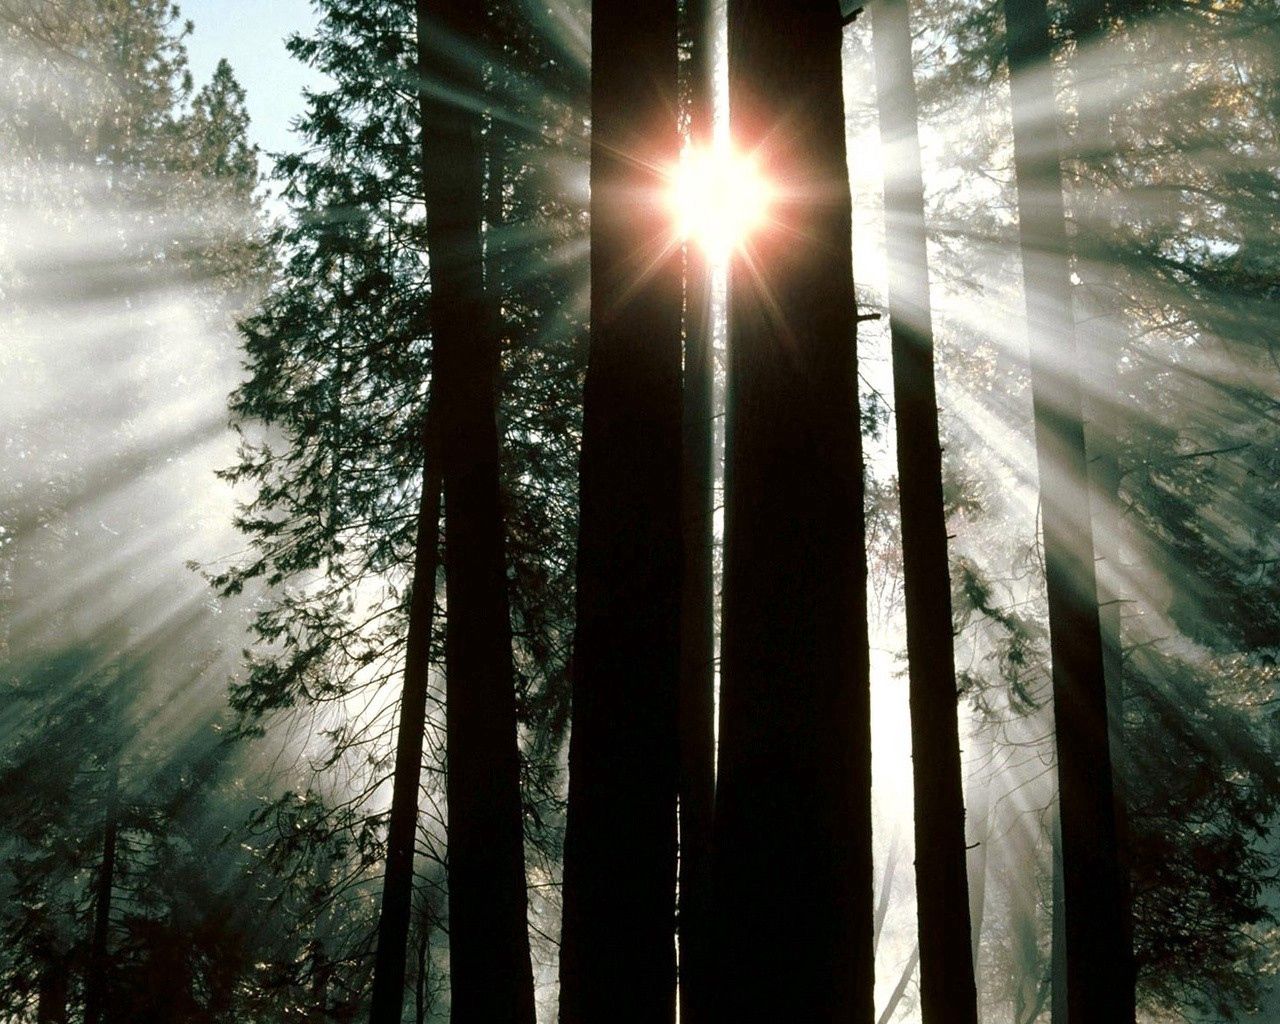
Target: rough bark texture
[[947, 991], [397, 891], [1099, 953], [490, 975], [792, 858], [697, 630], [617, 953]]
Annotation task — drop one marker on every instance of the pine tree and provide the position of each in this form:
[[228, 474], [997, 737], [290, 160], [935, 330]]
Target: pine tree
[[617, 955], [792, 857], [490, 978], [947, 987]]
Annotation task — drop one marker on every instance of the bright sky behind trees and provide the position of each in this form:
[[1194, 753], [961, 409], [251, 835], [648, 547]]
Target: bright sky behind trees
[[251, 35]]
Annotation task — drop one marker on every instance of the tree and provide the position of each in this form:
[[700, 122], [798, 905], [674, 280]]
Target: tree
[[947, 987], [489, 968], [402, 823], [341, 358], [697, 628], [617, 946], [793, 786], [1098, 955]]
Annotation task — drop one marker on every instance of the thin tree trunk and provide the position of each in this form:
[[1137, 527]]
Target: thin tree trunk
[[947, 991], [1058, 936], [397, 889], [697, 628], [617, 952], [979, 832], [886, 894], [421, 979], [95, 986], [900, 989], [490, 972], [1104, 340], [1099, 954], [792, 859]]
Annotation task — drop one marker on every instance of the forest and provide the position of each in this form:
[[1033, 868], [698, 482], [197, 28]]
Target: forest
[[701, 511]]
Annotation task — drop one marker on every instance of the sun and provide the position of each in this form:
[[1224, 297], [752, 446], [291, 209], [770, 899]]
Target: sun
[[718, 198]]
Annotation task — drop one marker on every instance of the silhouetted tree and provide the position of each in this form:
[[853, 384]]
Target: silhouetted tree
[[490, 978], [793, 800], [1100, 980], [947, 987], [697, 628], [617, 953]]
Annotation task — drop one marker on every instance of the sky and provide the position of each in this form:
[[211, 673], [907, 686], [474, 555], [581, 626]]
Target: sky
[[251, 35]]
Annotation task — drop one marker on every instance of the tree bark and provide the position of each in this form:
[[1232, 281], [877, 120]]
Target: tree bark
[[697, 627], [397, 889], [1099, 954], [617, 954], [947, 990], [491, 976], [793, 885]]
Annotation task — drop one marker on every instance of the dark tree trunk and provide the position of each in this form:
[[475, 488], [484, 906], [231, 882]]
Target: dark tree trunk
[[1104, 339], [51, 1004], [491, 977], [697, 628], [617, 953], [947, 991], [397, 890], [792, 858], [1058, 936], [95, 984], [1099, 954]]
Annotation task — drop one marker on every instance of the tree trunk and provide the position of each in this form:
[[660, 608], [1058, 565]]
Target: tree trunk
[[617, 953], [1104, 340], [697, 627], [792, 859], [51, 1004], [947, 991], [1058, 936], [95, 985], [1098, 952], [979, 831], [491, 976], [397, 890]]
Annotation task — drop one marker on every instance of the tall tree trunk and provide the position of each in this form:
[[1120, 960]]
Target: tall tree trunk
[[397, 889], [697, 628], [617, 952], [51, 1001], [491, 976], [95, 985], [792, 858], [947, 991], [979, 832], [1099, 954], [1104, 341], [1058, 935]]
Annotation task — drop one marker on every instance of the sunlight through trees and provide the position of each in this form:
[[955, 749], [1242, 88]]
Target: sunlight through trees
[[713, 511]]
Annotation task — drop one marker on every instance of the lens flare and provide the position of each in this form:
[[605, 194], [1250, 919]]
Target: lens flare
[[718, 198]]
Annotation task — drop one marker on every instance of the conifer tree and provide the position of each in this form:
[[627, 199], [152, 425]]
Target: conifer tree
[[947, 987], [793, 787], [617, 952]]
